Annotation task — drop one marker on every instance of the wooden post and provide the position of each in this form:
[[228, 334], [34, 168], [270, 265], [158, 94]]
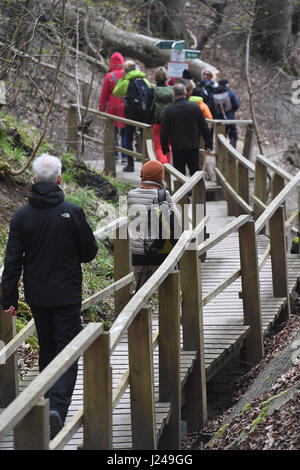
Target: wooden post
[[97, 412], [248, 143], [9, 371], [193, 338], [121, 268], [278, 257], [141, 382], [147, 134], [32, 432], [72, 124], [199, 210], [242, 185], [231, 177], [169, 358], [251, 292], [109, 148], [260, 187], [183, 204]]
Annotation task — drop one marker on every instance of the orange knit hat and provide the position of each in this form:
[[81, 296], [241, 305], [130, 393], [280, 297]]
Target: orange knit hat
[[153, 171]]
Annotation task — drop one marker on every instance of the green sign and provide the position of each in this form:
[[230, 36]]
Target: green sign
[[178, 45], [164, 44], [191, 54]]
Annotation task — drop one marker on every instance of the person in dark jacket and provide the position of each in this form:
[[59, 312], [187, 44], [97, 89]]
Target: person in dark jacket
[[183, 124], [49, 238], [225, 105]]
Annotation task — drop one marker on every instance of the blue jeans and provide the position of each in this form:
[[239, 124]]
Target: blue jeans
[[56, 327]]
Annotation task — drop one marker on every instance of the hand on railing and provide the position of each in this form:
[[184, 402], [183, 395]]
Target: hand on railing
[[12, 311]]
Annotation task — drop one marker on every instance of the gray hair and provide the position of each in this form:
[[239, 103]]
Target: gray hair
[[179, 90], [46, 168]]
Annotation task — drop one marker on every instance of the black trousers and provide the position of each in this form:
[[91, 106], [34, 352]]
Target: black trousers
[[183, 157], [56, 327]]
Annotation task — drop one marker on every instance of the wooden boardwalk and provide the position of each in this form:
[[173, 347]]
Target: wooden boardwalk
[[224, 331]]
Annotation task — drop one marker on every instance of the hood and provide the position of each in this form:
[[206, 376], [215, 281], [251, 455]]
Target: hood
[[135, 74], [221, 89], [116, 62], [45, 195], [195, 99]]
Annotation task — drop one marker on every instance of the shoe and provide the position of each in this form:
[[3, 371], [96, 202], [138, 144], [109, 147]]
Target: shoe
[[128, 169], [124, 161], [56, 423]]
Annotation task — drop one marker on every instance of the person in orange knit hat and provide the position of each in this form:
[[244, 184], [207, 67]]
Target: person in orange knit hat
[[139, 202]]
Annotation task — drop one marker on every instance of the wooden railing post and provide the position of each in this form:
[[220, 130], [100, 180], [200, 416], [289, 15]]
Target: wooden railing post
[[242, 185], [121, 268], [193, 338], [279, 258], [32, 433], [251, 292], [260, 187], [231, 177], [97, 414], [199, 210], [147, 134], [109, 148], [248, 143], [169, 358], [141, 381], [9, 371], [183, 204], [72, 125]]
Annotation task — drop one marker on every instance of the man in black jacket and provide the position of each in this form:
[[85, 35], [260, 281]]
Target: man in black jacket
[[49, 238], [182, 125]]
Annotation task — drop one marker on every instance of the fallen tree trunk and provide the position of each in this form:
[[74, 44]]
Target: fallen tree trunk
[[134, 45]]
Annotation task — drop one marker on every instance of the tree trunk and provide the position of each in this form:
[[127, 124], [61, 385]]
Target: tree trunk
[[272, 28], [167, 19]]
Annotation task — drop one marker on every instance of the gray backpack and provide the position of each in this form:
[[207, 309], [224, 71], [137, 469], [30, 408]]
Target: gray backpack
[[222, 103]]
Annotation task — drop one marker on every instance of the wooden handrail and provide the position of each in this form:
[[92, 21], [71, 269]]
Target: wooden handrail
[[276, 203], [14, 413], [129, 312], [237, 155], [113, 225], [228, 229], [17, 341], [233, 193], [230, 121], [112, 117], [279, 171], [187, 186]]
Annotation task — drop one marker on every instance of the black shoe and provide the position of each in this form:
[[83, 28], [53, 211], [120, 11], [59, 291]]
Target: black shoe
[[128, 168], [56, 423]]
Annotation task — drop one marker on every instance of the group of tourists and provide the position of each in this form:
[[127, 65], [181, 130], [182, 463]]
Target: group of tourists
[[49, 237], [126, 92]]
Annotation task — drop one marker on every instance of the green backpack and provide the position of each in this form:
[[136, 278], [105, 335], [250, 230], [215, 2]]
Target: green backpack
[[163, 96]]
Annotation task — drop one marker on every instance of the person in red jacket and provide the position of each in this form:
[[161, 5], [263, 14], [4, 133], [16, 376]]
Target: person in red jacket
[[108, 103]]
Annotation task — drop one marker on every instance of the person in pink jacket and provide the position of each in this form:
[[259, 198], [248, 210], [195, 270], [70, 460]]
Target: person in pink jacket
[[108, 103]]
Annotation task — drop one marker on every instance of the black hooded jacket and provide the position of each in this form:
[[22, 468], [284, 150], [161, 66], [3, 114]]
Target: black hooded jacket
[[49, 237]]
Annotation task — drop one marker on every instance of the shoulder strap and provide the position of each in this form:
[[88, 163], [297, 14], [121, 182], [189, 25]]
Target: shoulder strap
[[114, 77], [162, 196]]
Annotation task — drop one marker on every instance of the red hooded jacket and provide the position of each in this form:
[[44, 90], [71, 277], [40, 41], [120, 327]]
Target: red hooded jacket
[[109, 103]]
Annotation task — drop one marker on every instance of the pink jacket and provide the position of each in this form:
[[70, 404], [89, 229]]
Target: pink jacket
[[109, 103]]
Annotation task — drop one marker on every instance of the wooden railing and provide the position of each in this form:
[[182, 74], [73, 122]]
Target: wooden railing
[[108, 142], [234, 171], [175, 288]]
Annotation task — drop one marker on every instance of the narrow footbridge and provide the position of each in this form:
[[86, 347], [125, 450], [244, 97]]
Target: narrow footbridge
[[224, 284]]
